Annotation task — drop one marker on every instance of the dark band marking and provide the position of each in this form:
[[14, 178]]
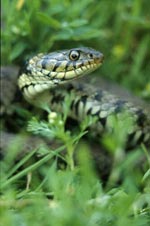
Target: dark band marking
[[103, 121], [27, 86], [84, 99], [58, 63], [89, 111], [25, 70], [68, 65], [76, 107], [69, 87], [141, 117], [80, 65], [57, 98], [48, 74], [98, 96], [44, 64], [120, 104], [74, 64]]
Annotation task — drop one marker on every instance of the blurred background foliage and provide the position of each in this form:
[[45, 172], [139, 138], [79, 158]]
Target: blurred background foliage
[[120, 29]]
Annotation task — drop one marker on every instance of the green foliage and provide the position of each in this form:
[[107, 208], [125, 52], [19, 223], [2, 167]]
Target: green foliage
[[119, 29], [75, 195]]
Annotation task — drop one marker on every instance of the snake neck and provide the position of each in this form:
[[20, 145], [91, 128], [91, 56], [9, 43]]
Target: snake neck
[[33, 89]]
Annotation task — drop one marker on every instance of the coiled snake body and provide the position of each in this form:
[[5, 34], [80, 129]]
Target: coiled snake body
[[47, 79]]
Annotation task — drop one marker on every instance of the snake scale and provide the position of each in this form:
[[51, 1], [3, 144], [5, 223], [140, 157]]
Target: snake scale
[[47, 78]]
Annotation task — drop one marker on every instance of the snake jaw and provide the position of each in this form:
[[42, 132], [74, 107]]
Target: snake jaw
[[43, 72]]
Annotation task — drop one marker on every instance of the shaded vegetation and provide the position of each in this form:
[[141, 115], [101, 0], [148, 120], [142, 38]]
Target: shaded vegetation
[[76, 196]]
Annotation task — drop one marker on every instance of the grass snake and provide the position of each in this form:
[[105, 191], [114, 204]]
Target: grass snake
[[46, 79]]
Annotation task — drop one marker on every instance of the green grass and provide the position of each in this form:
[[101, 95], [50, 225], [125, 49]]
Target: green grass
[[74, 194]]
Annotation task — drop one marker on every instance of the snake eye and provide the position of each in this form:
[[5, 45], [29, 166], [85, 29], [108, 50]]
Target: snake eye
[[74, 55], [90, 55]]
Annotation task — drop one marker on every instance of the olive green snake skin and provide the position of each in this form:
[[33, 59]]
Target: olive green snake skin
[[46, 79]]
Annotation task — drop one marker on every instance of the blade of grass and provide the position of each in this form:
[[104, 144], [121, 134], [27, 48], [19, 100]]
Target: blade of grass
[[32, 167], [20, 163]]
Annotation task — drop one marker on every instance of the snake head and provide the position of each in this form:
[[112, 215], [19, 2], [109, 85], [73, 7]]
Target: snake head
[[67, 64], [45, 71]]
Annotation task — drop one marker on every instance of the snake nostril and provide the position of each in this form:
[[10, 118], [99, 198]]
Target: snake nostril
[[91, 55], [99, 58]]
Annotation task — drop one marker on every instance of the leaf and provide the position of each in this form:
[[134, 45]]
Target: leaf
[[49, 20], [41, 128], [85, 33], [17, 50], [78, 23]]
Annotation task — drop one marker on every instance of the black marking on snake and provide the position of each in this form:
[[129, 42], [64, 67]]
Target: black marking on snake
[[89, 62], [22, 89], [141, 117], [72, 105], [68, 65], [24, 66], [80, 65], [56, 66], [131, 137], [48, 74], [41, 70], [80, 87], [76, 107], [96, 113], [89, 111], [75, 72], [26, 70], [69, 87], [98, 96], [26, 87], [57, 98], [103, 121], [74, 64], [119, 105], [44, 63], [31, 84], [84, 99]]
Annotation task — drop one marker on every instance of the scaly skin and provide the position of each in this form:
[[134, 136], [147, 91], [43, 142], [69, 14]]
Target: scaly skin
[[47, 79]]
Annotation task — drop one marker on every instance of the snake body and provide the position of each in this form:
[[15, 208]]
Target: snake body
[[46, 79]]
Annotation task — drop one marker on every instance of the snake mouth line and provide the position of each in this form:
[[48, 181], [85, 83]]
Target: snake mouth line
[[51, 70]]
